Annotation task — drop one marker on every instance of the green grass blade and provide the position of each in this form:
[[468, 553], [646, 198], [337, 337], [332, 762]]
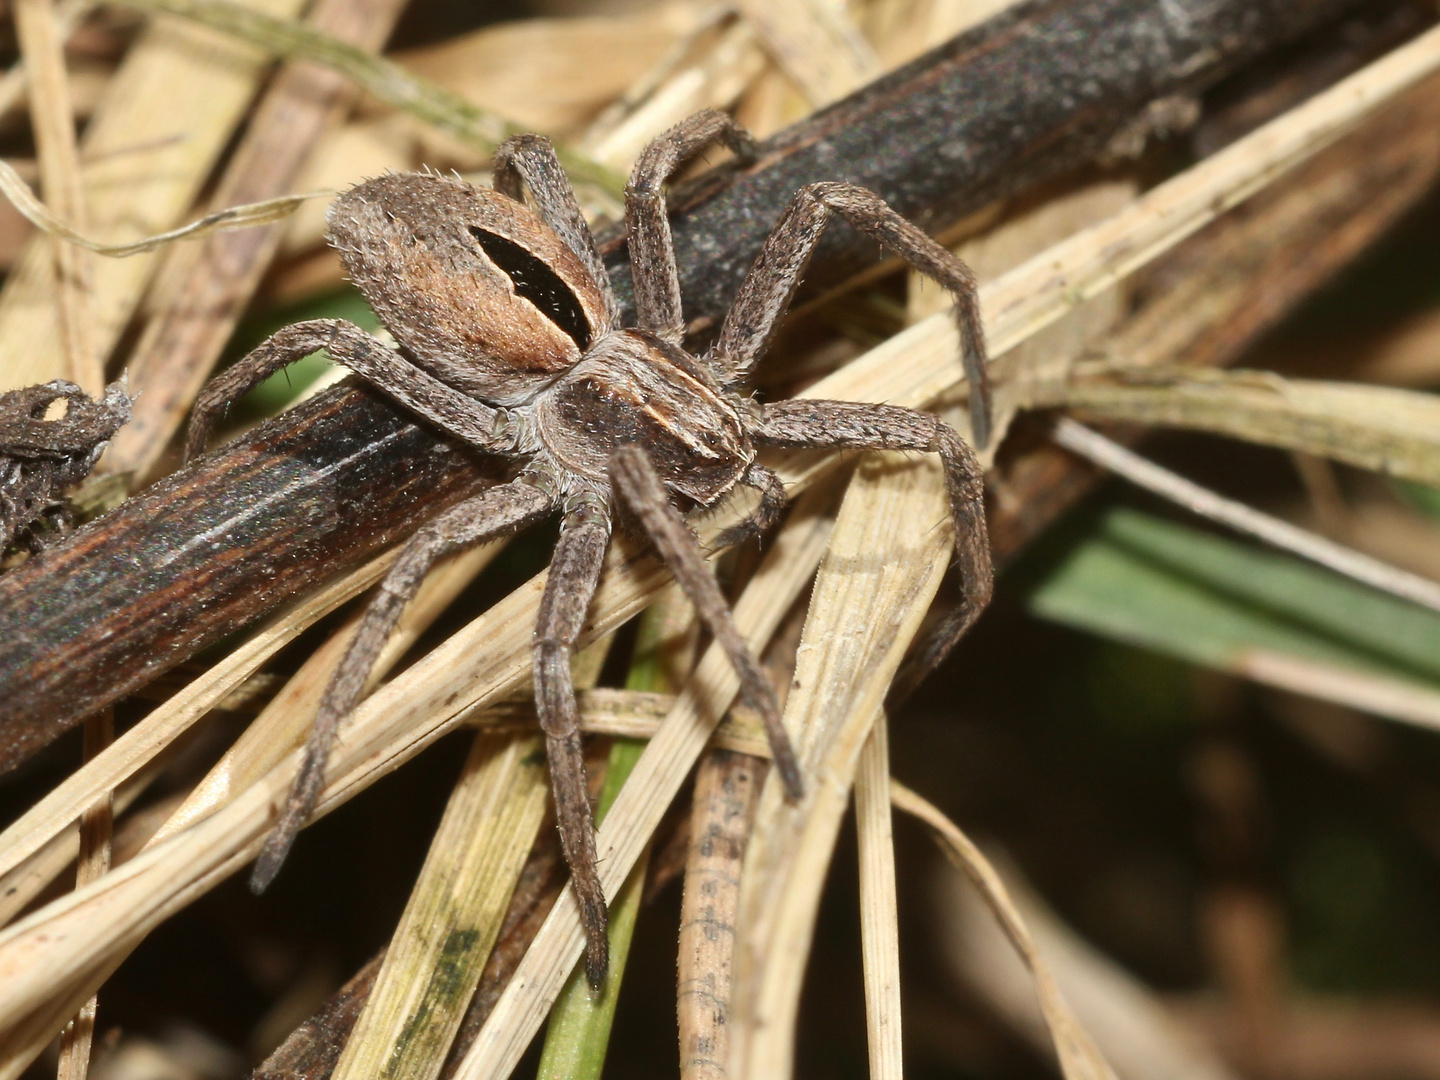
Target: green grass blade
[[1213, 601]]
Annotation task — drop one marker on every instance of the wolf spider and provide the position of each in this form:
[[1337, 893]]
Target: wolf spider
[[510, 341]]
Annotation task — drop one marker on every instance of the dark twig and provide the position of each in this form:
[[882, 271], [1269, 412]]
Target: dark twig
[[203, 553]]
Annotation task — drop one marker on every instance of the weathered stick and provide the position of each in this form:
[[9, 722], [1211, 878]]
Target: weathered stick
[[315, 491]]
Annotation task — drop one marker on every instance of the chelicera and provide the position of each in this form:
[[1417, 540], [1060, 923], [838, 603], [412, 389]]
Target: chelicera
[[510, 341]]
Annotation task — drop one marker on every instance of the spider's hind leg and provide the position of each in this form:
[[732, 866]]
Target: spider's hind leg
[[493, 513], [639, 484]]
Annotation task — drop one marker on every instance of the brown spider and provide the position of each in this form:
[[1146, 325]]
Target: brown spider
[[510, 341]]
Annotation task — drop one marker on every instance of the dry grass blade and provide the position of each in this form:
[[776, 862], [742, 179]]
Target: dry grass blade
[[816, 44], [885, 562], [879, 906], [55, 813], [283, 724], [1095, 259], [52, 118], [148, 152], [658, 775], [726, 787], [1079, 1058], [1371, 427], [1281, 534], [96, 829], [14, 188], [386, 81], [454, 914]]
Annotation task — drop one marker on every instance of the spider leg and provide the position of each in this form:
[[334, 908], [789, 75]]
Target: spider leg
[[802, 422], [772, 503], [531, 158], [770, 285], [500, 510], [652, 252], [460, 415], [636, 480], [574, 572]]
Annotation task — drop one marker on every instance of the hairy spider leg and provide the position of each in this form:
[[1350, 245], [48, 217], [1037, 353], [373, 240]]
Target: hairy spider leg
[[501, 510], [852, 425], [640, 486], [389, 372], [574, 573], [768, 288], [652, 250], [531, 158]]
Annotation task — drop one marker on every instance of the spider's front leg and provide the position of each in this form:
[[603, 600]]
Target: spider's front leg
[[574, 573], [640, 485], [853, 425], [652, 251], [470, 421], [493, 513], [531, 159], [771, 283]]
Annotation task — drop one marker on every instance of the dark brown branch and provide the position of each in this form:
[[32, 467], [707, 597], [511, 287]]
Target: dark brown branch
[[317, 490]]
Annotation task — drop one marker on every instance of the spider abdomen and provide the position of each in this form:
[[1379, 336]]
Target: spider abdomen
[[632, 389], [475, 286]]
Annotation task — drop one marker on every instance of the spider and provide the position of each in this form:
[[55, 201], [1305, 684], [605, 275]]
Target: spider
[[510, 341]]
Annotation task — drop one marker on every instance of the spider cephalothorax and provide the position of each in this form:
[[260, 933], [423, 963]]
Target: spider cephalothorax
[[510, 341]]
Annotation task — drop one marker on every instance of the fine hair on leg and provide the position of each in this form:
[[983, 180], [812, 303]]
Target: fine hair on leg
[[768, 288], [640, 486], [652, 250], [460, 415], [493, 513], [574, 572]]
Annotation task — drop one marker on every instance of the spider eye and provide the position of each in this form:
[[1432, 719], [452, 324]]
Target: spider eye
[[537, 283]]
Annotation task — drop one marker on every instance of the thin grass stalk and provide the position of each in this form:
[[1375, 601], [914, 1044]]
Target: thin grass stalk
[[879, 905], [380, 78], [96, 846], [70, 227], [1353, 564], [1079, 1058], [578, 1035], [52, 118]]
